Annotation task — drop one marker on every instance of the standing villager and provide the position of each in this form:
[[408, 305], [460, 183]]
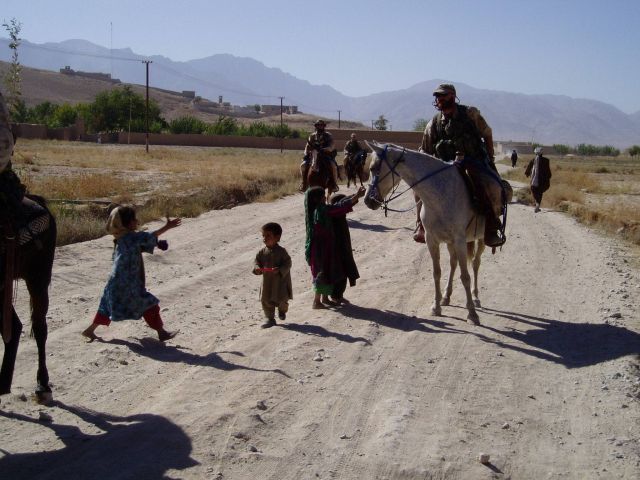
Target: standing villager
[[344, 254], [125, 296], [319, 148], [514, 158], [274, 264], [540, 172], [320, 241], [458, 133]]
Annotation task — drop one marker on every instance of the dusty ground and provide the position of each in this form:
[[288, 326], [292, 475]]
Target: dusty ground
[[548, 385]]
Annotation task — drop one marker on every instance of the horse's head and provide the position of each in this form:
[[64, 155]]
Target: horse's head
[[383, 174]]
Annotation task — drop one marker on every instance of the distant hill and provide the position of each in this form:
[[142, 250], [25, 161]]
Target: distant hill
[[244, 81]]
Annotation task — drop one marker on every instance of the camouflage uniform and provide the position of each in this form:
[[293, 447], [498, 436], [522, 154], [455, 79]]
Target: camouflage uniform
[[466, 138], [464, 133], [321, 141]]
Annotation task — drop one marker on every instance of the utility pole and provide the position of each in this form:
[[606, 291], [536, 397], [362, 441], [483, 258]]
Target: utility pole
[[146, 114], [372, 125], [339, 119], [281, 127]]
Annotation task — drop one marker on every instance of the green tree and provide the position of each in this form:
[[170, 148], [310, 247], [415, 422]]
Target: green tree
[[64, 115], [13, 77], [380, 123], [562, 149], [634, 150], [420, 124], [117, 109]]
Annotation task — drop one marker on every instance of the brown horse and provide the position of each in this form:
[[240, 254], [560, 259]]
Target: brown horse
[[321, 176], [354, 167], [32, 262]]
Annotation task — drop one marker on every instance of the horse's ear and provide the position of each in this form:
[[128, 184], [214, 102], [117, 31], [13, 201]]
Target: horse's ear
[[373, 145]]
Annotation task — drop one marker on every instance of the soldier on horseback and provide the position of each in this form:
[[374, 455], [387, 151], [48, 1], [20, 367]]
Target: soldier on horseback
[[459, 133], [321, 143], [351, 149]]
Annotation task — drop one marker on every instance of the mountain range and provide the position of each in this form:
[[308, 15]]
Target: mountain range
[[546, 119]]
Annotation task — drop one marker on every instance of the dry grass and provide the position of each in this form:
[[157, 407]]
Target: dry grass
[[175, 181], [602, 192]]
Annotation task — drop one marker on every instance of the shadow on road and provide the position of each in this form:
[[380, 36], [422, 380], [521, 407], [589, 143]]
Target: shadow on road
[[323, 332], [371, 227], [399, 321], [136, 446], [573, 345], [151, 348]]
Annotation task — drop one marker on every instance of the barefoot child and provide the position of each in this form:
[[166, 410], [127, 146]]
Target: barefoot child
[[274, 264], [344, 253], [320, 241], [125, 295]]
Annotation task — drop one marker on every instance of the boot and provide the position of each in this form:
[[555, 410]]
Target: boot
[[304, 171], [491, 228]]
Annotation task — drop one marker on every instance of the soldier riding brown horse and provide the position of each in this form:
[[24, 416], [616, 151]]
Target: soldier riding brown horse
[[319, 155]]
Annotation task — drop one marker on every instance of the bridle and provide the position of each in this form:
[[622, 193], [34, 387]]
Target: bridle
[[376, 179]]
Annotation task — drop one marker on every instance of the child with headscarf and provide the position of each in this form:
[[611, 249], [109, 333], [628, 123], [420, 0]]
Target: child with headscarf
[[344, 253], [125, 295], [320, 241]]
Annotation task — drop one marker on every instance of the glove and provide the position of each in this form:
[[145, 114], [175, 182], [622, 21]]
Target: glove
[[163, 244]]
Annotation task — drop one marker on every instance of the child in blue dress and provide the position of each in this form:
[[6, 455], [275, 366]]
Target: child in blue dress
[[125, 295]]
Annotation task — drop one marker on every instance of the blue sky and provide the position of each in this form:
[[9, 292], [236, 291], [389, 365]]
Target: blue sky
[[580, 48]]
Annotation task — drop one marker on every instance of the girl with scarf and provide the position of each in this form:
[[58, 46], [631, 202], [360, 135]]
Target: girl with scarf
[[320, 241], [125, 295]]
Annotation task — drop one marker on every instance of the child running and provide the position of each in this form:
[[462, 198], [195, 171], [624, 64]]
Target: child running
[[320, 242], [274, 264], [125, 295]]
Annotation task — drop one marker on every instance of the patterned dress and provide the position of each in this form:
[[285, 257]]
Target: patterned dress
[[125, 295]]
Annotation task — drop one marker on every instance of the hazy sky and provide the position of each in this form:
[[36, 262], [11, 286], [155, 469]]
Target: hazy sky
[[581, 48]]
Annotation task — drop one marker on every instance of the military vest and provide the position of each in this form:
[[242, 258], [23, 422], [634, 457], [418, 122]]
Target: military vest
[[458, 134]]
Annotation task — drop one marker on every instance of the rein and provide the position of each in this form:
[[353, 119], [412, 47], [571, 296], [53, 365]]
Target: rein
[[392, 171]]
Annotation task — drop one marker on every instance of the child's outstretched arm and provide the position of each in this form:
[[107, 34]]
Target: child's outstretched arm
[[176, 222], [356, 196]]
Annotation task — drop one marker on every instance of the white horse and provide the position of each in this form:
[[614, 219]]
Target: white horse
[[447, 214]]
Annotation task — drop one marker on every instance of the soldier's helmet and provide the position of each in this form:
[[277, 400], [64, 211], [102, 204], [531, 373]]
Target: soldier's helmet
[[444, 88], [320, 122]]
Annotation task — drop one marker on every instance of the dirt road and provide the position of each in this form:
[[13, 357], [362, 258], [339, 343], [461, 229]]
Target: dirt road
[[380, 389]]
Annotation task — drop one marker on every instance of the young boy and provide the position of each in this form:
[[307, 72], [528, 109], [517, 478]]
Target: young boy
[[274, 264]]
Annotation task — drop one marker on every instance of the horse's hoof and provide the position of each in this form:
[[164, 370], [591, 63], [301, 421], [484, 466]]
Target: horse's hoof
[[43, 395], [437, 311], [445, 301], [476, 303]]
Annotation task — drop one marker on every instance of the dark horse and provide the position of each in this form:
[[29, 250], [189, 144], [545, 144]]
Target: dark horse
[[32, 262], [354, 167], [321, 176]]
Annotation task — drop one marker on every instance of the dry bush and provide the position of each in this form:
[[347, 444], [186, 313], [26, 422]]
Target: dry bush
[[175, 181]]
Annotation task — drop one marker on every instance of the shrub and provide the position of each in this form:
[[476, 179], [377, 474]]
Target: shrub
[[187, 124]]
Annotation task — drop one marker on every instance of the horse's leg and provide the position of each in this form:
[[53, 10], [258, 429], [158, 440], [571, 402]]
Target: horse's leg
[[461, 252], [39, 306], [9, 358], [434, 251], [477, 257], [453, 262]]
